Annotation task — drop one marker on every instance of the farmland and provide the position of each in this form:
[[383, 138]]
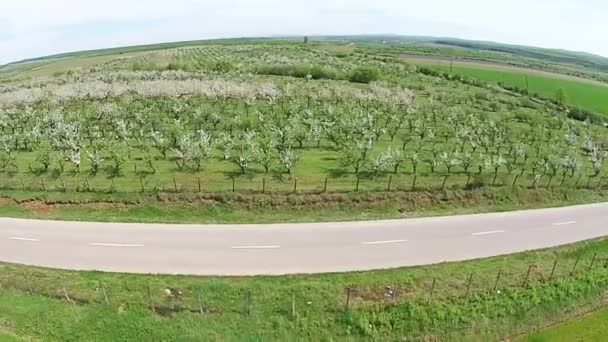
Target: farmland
[[281, 119], [586, 94], [276, 131]]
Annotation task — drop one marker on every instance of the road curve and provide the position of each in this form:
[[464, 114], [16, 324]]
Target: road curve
[[274, 249]]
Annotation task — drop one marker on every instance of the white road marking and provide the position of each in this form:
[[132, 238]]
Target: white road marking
[[490, 232], [256, 247], [382, 242], [113, 245], [23, 239], [564, 223]]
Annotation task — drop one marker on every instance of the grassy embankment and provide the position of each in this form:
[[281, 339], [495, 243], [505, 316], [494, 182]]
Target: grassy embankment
[[268, 208], [467, 301]]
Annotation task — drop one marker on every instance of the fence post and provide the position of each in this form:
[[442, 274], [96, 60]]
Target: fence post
[[233, 185], [527, 276], [395, 292], [575, 265], [86, 181], [141, 182], [199, 185], [498, 275], [29, 284], [151, 300], [105, 293], [67, 297], [62, 184], [174, 184], [263, 185], [295, 185], [325, 185], [414, 182], [357, 185], [348, 292], [293, 306], [200, 304], [432, 289], [390, 181], [248, 302], [553, 269], [592, 261], [469, 286]]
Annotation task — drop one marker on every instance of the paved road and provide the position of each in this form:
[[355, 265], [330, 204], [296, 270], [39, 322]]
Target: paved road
[[292, 248]]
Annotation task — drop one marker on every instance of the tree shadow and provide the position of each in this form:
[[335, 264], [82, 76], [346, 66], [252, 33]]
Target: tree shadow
[[338, 172], [237, 174], [372, 175]]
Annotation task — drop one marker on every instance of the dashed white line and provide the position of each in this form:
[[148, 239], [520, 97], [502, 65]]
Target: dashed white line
[[564, 223], [23, 239], [113, 245], [382, 242], [255, 247], [488, 233]]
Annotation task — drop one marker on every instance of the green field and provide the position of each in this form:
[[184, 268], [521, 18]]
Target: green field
[[592, 327], [470, 301], [586, 95]]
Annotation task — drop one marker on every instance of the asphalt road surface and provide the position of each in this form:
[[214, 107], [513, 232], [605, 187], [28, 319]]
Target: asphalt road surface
[[292, 248]]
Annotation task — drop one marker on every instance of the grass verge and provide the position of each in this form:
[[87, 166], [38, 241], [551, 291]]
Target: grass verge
[[275, 207], [486, 299]]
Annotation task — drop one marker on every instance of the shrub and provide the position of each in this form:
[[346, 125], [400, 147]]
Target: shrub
[[343, 54], [301, 71], [222, 66], [585, 115], [429, 71], [364, 75], [318, 73]]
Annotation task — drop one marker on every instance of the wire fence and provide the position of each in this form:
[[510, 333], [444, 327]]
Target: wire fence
[[264, 185], [170, 295]]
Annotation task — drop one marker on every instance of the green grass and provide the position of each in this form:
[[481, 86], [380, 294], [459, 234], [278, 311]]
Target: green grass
[[311, 307], [274, 208], [593, 327], [578, 93]]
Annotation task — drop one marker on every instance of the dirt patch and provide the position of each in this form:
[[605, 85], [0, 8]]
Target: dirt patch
[[61, 295], [45, 207], [168, 311], [37, 207], [404, 203]]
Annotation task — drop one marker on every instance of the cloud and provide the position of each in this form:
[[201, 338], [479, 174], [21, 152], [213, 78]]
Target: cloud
[[68, 25]]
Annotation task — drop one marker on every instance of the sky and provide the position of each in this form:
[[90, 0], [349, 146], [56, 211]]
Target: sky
[[33, 28]]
